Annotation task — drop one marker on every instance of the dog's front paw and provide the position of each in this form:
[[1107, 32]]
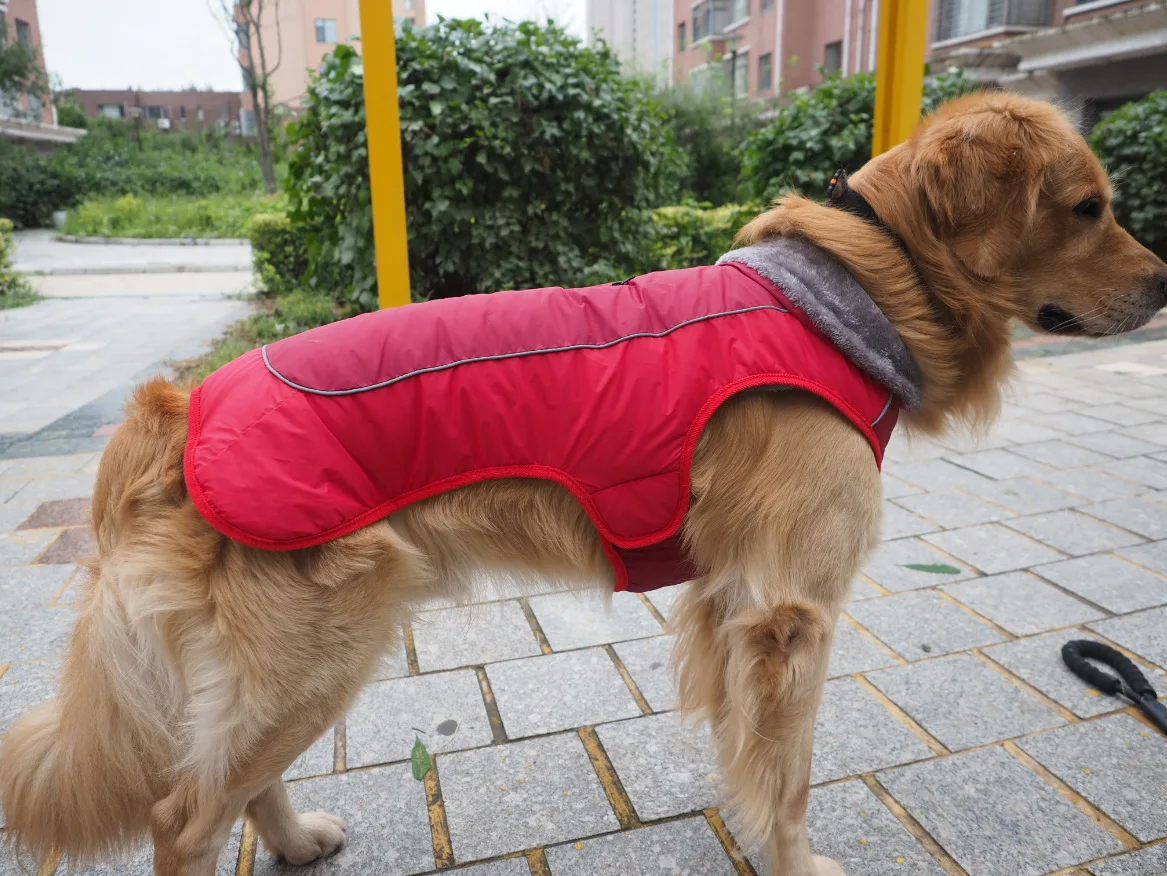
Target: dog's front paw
[[827, 867], [319, 835]]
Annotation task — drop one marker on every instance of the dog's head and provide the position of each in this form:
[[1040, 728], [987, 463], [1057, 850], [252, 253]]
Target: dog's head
[[1015, 195]]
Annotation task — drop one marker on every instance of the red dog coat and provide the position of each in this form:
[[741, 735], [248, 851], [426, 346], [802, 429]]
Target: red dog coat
[[604, 390]]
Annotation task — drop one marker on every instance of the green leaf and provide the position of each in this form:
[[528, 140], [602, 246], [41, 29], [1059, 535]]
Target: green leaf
[[420, 758], [933, 568]]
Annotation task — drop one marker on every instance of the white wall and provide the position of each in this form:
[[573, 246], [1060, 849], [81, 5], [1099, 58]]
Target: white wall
[[639, 31]]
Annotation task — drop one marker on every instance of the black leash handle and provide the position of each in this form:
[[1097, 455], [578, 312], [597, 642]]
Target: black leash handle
[[1131, 683]]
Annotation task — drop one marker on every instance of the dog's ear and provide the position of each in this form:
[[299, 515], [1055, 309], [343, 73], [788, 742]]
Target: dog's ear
[[980, 164]]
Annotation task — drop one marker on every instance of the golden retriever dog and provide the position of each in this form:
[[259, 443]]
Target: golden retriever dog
[[200, 668]]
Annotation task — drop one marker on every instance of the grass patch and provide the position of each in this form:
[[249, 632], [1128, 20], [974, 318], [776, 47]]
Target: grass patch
[[167, 217], [275, 318], [19, 298]]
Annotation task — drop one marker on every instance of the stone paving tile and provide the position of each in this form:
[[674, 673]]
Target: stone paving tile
[[573, 620], [1097, 486], [507, 798], [1070, 423], [848, 823], [1141, 515], [539, 695], [446, 708], [1144, 633], [665, 598], [993, 548], [386, 820], [1122, 415], [48, 489], [1117, 763], [937, 474], [687, 847], [952, 509], [45, 466], [853, 652], [393, 665], [1044, 403], [21, 548], [667, 767], [898, 523], [1141, 469], [1022, 603], [72, 546], [963, 702], [1001, 464], [906, 448], [923, 624], [9, 488], [888, 566], [855, 734], [995, 817], [1113, 444], [1023, 496], [1073, 533], [42, 634], [1154, 433], [1021, 432], [316, 760], [139, 862], [25, 686], [12, 514], [966, 442], [31, 586], [861, 590], [1062, 454], [647, 661], [61, 512], [472, 635], [894, 488], [1152, 556], [1147, 862]]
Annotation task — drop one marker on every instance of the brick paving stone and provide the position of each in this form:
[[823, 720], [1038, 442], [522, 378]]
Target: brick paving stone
[[72, 546], [42, 634], [665, 598], [1141, 515], [61, 512], [993, 548], [137, 863], [316, 760], [995, 817], [27, 587], [647, 661], [573, 620], [1154, 433], [21, 548], [1070, 423], [539, 695], [1122, 415], [472, 635], [1045, 403], [47, 466], [12, 514], [1094, 485], [966, 442], [1144, 633], [861, 590], [1001, 464], [507, 798], [1073, 533], [1113, 444], [937, 474], [1062, 454], [888, 566], [909, 449], [1146, 862], [1117, 763], [1153, 556], [687, 847], [952, 509], [894, 488], [506, 867], [898, 523], [393, 665], [923, 624], [1023, 496], [1022, 603], [1141, 469], [446, 708], [48, 489], [667, 767], [963, 702], [854, 652], [1021, 432], [848, 823], [855, 734], [9, 488], [24, 686], [385, 817]]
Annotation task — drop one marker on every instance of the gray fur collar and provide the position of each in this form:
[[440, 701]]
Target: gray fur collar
[[840, 308]]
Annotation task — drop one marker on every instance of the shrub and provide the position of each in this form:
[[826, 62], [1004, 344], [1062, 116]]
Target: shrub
[[167, 217], [529, 160], [1132, 143], [14, 289], [279, 251], [823, 130], [32, 187], [687, 236]]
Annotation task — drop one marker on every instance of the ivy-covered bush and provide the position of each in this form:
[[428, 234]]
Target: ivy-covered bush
[[686, 236], [14, 289], [1132, 143], [279, 252], [169, 217], [529, 160], [32, 187], [824, 129]]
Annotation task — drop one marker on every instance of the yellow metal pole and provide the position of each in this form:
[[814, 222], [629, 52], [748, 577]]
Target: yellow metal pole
[[899, 77], [379, 51]]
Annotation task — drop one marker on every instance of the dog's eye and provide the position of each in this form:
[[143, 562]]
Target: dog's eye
[[1091, 208]]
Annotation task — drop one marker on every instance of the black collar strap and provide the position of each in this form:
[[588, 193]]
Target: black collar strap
[[841, 195]]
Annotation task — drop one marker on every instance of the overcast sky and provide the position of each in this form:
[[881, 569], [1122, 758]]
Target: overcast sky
[[170, 44]]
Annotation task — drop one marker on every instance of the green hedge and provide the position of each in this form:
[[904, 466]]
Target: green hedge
[[32, 187], [280, 253], [14, 289], [170, 217], [1132, 143], [688, 236]]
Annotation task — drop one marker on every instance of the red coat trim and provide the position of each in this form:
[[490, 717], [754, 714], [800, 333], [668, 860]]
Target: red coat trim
[[604, 390]]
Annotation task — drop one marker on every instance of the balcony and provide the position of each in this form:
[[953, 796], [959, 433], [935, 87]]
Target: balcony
[[958, 20], [713, 19]]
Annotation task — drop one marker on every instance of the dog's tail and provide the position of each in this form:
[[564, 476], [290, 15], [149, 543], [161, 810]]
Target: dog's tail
[[79, 774]]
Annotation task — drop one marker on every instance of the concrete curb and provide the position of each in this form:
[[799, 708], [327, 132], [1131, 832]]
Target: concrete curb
[[154, 241], [236, 268]]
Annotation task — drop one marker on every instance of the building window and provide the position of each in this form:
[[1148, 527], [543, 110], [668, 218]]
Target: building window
[[960, 18], [243, 35], [326, 30], [24, 33], [737, 73], [201, 114], [767, 5], [3, 27], [182, 113], [409, 4], [681, 37], [153, 113], [36, 107], [112, 110], [833, 56], [710, 17], [739, 9], [765, 72]]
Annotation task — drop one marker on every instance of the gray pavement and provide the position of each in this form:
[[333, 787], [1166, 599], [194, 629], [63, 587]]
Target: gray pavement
[[40, 253], [951, 740]]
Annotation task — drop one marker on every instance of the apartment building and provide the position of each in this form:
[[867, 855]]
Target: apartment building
[[299, 33], [167, 110], [19, 24], [638, 31]]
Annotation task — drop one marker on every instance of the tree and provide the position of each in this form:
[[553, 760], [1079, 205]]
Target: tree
[[243, 25], [21, 71]]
